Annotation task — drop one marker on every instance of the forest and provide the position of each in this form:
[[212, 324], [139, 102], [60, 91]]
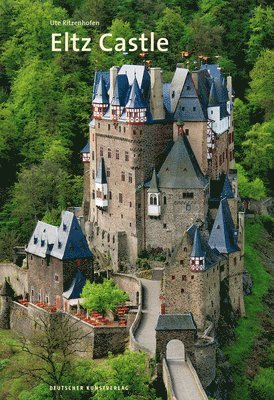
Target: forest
[[46, 96]]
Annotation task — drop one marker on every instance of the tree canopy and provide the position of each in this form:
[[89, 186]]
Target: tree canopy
[[102, 296]]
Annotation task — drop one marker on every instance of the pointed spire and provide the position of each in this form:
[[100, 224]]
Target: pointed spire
[[101, 96], [135, 98], [223, 236], [197, 250], [180, 169], [154, 183], [227, 191], [213, 97], [101, 176]]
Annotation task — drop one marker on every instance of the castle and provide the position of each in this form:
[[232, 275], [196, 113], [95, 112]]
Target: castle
[[159, 173]]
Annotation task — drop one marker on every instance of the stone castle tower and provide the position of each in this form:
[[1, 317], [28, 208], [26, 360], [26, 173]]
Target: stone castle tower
[[154, 149]]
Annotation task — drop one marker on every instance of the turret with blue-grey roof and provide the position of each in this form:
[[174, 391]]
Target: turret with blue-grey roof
[[223, 236]]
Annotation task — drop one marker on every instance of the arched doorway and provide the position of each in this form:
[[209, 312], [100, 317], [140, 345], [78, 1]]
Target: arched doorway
[[175, 350]]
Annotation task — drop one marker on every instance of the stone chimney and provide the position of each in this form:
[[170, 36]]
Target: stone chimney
[[113, 72], [229, 87], [156, 94]]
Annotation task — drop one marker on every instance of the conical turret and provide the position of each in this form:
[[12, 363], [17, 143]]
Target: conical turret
[[197, 256]]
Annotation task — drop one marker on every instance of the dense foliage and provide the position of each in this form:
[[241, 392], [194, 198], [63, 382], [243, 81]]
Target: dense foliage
[[102, 297], [129, 370]]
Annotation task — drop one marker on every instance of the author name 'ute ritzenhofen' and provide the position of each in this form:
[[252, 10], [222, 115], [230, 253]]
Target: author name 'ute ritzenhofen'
[[75, 43]]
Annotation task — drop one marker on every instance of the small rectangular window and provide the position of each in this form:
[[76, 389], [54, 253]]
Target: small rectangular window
[[101, 151], [108, 127], [108, 172], [130, 178], [123, 177], [173, 277], [109, 153], [56, 278], [126, 156], [120, 198], [194, 108], [164, 226], [117, 155], [187, 132], [183, 277]]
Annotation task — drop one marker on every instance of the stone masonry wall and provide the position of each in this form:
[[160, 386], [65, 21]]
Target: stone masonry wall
[[130, 285], [187, 291], [176, 216], [130, 152], [17, 277], [96, 341]]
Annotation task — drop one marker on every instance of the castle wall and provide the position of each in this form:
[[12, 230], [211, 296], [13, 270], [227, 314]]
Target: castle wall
[[205, 360], [130, 285], [16, 276], [195, 292], [139, 147], [176, 216], [96, 342], [235, 277], [42, 278]]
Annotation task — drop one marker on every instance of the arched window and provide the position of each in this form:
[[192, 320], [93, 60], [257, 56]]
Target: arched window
[[155, 200], [151, 200]]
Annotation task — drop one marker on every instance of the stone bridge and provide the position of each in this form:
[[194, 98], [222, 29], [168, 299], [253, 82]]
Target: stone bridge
[[173, 343]]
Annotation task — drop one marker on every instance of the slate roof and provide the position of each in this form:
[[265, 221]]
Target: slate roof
[[6, 289], [189, 107], [85, 149], [120, 91], [213, 97], [101, 94], [223, 236], [177, 322], [213, 69], [227, 189], [180, 168], [97, 78], [153, 188], [101, 176], [64, 242], [135, 98], [212, 256], [197, 250], [76, 287]]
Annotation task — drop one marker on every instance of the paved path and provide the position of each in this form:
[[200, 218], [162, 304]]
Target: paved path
[[146, 334], [183, 382]]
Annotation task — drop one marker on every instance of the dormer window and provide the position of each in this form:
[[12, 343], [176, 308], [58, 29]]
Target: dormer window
[[42, 242], [35, 240], [64, 227]]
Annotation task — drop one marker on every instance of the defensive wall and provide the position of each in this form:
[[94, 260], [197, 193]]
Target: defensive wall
[[96, 342], [16, 276]]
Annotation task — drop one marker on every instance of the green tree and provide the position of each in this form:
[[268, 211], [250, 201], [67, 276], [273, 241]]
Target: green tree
[[42, 191], [102, 297], [253, 189], [260, 94], [102, 60], [241, 125], [261, 28], [259, 152], [262, 387], [130, 370], [171, 26]]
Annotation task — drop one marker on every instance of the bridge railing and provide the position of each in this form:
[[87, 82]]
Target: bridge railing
[[168, 382], [196, 378]]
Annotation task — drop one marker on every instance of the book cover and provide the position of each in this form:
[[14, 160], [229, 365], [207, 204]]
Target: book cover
[[136, 213]]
